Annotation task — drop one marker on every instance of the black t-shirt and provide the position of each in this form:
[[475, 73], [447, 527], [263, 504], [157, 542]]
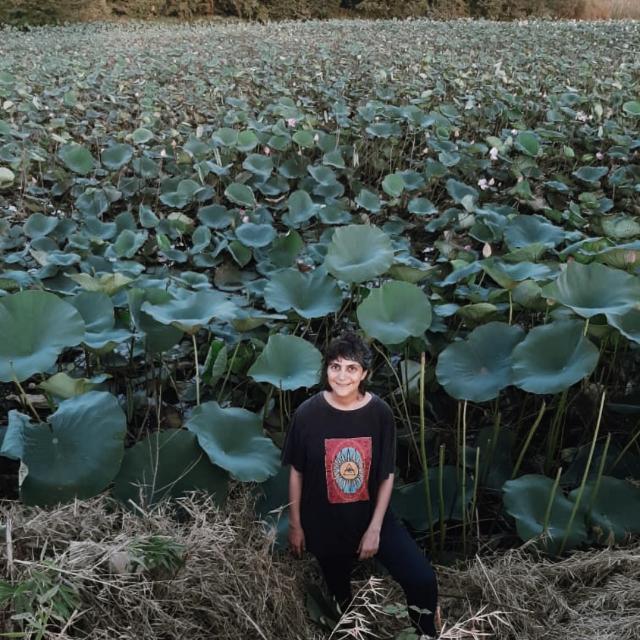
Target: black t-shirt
[[343, 456]]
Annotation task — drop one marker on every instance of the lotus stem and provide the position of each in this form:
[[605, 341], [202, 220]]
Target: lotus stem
[[510, 308], [423, 452], [195, 360], [280, 401], [464, 478], [586, 327], [475, 483], [226, 377], [627, 447], [585, 475], [441, 496], [23, 395], [601, 466], [527, 442], [555, 426], [402, 395], [552, 496], [493, 442]]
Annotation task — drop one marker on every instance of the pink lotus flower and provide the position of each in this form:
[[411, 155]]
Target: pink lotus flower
[[291, 122]]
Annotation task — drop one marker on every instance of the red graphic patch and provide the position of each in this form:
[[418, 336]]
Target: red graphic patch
[[347, 462]]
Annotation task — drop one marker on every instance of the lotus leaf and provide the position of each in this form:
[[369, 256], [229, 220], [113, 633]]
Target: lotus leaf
[[116, 156], [312, 295], [523, 231], [300, 209], [35, 327], [7, 177], [158, 337], [553, 357], [481, 366], [358, 253], [77, 454], [12, 445], [240, 194], [255, 235], [369, 201], [97, 312], [189, 311], [233, 439], [77, 158], [287, 362], [393, 185], [64, 386], [167, 464], [259, 165], [528, 143], [526, 499], [394, 312], [593, 288], [421, 207], [108, 283], [614, 512], [38, 225], [410, 502]]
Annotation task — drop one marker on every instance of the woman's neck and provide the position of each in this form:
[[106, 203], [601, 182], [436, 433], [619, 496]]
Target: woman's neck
[[350, 402]]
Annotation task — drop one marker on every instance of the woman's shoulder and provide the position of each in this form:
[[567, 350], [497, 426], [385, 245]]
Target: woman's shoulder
[[309, 406]]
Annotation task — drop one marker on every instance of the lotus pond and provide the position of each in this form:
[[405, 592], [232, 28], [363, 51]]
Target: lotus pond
[[189, 213]]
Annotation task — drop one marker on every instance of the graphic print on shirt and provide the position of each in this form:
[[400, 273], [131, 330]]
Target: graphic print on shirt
[[347, 462]]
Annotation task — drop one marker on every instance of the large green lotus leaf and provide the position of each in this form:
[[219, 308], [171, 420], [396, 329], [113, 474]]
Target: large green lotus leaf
[[394, 312], [526, 499], [553, 357], [78, 453], [190, 311], [410, 500], [615, 512], [116, 156], [77, 158], [523, 231], [158, 337], [167, 464], [287, 362], [590, 289], [480, 366], [313, 294], [628, 324], [234, 440], [35, 327], [97, 312], [358, 253]]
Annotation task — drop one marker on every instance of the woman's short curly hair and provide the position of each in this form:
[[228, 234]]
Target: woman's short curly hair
[[349, 346]]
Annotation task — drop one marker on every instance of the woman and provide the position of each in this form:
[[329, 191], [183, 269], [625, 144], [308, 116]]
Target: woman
[[341, 448]]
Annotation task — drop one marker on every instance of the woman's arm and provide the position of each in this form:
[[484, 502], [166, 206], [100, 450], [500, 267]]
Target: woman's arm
[[371, 538], [296, 534]]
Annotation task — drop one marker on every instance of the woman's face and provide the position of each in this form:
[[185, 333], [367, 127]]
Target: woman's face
[[344, 377]]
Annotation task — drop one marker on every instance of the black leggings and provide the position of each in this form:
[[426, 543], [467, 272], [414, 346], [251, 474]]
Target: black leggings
[[399, 553]]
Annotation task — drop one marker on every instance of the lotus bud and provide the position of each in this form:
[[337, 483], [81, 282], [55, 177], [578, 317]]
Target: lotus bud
[[486, 250]]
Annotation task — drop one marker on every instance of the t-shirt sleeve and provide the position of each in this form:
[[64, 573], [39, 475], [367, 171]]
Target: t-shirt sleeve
[[293, 451], [387, 445]]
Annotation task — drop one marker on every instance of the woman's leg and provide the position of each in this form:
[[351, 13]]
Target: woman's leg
[[337, 574], [400, 554]]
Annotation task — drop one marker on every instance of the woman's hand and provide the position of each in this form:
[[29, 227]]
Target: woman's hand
[[296, 540], [369, 544]]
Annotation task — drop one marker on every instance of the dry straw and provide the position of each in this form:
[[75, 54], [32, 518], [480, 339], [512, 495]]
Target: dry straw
[[198, 572]]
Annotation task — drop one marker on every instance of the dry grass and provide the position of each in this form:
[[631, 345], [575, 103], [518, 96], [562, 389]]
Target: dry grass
[[229, 585]]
